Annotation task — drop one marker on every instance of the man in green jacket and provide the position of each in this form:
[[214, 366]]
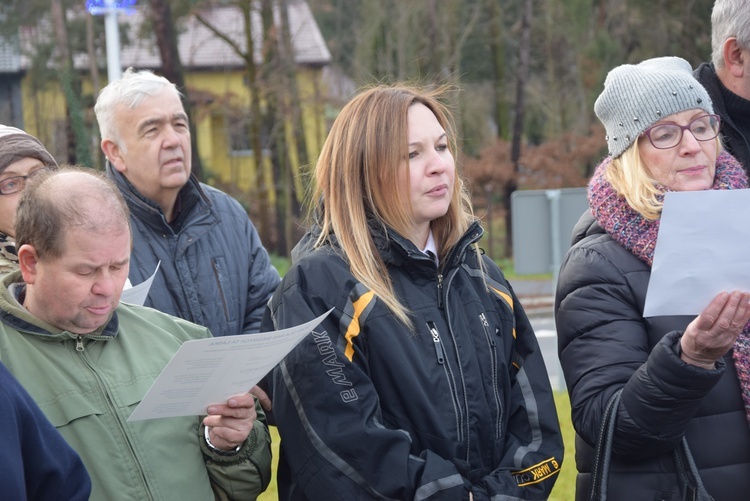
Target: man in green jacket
[[87, 359]]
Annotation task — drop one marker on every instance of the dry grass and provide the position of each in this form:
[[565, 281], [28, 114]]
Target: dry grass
[[564, 487]]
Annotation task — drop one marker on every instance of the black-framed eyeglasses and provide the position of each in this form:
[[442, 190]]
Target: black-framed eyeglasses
[[665, 136], [15, 184]]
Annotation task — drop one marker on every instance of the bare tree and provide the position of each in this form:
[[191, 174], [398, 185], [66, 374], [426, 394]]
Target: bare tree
[[78, 137], [255, 89], [497, 52], [518, 123], [172, 70]]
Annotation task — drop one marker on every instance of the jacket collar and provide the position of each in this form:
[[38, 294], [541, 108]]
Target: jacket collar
[[396, 249], [147, 210]]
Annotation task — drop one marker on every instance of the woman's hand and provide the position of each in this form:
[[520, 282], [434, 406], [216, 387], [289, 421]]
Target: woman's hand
[[714, 331]]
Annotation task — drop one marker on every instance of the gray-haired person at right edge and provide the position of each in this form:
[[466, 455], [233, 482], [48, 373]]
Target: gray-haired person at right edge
[[727, 76], [681, 424]]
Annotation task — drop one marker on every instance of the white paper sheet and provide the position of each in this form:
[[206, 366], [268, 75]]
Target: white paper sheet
[[209, 371], [703, 248], [137, 294]]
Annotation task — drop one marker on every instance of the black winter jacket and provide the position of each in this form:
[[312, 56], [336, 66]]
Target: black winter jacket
[[606, 344], [737, 144], [368, 410]]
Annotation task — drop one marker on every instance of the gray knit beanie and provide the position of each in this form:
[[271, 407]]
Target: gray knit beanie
[[15, 144], [635, 97]]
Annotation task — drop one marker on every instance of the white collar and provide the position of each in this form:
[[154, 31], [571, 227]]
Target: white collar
[[430, 247]]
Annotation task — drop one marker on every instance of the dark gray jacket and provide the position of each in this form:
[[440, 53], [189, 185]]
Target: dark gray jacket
[[606, 344], [214, 269]]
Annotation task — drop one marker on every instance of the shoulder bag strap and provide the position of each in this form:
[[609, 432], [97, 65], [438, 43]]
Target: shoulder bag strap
[[688, 475], [603, 450]]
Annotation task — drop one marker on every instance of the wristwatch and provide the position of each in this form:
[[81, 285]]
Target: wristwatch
[[215, 449]]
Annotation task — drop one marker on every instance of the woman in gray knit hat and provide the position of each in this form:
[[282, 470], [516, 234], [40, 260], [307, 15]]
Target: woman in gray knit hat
[[21, 155], [678, 387]]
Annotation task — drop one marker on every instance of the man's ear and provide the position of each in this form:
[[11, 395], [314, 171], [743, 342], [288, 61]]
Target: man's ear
[[114, 154], [733, 57], [28, 262]]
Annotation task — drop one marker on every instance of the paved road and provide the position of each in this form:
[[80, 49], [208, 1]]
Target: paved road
[[523, 287], [537, 297], [544, 327]]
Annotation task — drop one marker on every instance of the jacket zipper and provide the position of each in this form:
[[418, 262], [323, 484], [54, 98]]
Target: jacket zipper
[[217, 275], [113, 410], [437, 342], [460, 371], [440, 354], [493, 365], [440, 290]]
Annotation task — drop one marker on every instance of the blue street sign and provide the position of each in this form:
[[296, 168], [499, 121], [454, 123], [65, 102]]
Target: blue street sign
[[97, 7]]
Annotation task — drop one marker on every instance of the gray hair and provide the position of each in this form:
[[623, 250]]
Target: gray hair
[[128, 90], [729, 18]]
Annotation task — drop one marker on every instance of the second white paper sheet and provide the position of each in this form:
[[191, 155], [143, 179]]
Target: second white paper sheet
[[209, 371]]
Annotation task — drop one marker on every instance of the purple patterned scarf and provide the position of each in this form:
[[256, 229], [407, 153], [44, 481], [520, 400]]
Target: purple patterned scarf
[[638, 235]]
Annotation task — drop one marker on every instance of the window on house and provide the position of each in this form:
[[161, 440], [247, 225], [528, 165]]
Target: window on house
[[240, 139], [59, 141]]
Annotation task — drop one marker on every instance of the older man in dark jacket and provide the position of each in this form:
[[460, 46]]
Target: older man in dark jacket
[[727, 77], [214, 270]]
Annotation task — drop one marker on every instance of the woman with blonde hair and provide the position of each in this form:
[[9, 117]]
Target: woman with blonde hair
[[425, 381], [677, 387]]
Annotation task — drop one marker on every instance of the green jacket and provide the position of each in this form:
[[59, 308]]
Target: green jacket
[[88, 386]]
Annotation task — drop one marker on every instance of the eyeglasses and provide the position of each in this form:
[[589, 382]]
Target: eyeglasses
[[15, 184], [665, 136]]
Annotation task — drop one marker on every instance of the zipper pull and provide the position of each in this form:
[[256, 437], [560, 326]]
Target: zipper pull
[[79, 343], [436, 341], [440, 290], [486, 324]]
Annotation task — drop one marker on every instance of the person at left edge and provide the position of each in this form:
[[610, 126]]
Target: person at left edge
[[21, 155], [36, 464], [214, 269], [87, 359]]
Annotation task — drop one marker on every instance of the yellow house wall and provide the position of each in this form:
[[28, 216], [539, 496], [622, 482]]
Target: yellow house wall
[[44, 115], [213, 141]]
